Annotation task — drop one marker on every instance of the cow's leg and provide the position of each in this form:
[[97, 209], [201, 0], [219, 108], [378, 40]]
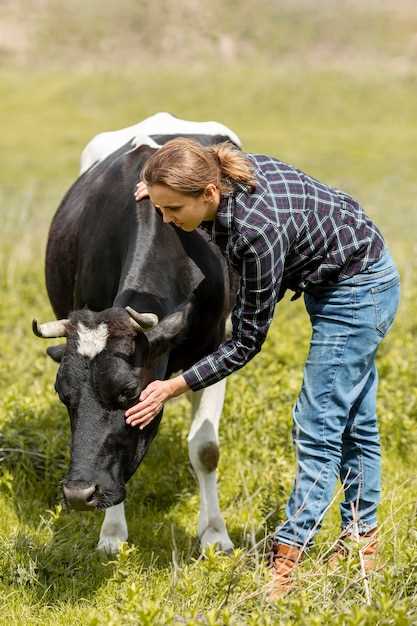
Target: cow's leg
[[113, 530], [203, 449]]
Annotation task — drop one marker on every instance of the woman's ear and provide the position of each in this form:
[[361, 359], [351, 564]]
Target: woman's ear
[[212, 198], [210, 191]]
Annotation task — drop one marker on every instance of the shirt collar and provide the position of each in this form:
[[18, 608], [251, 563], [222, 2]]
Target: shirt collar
[[222, 223]]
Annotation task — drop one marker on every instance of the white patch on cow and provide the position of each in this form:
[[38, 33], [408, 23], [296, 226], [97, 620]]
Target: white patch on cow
[[92, 341], [102, 145], [207, 406], [114, 529], [143, 140], [167, 124], [105, 144]]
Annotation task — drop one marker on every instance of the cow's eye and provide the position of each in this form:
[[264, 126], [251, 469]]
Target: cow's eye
[[127, 394], [62, 388], [126, 357]]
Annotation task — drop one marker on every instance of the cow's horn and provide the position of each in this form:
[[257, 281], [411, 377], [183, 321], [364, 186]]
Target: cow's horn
[[50, 329], [145, 321]]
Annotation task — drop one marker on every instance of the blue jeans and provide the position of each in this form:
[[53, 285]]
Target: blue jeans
[[335, 429]]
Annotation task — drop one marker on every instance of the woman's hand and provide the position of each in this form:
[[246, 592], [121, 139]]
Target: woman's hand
[[141, 191], [152, 399]]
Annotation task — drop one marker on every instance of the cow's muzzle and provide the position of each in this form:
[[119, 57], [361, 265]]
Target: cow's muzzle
[[80, 495]]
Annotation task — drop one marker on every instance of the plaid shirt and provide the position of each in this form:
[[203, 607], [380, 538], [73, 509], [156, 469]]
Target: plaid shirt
[[291, 232]]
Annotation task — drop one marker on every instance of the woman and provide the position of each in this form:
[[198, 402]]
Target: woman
[[280, 229]]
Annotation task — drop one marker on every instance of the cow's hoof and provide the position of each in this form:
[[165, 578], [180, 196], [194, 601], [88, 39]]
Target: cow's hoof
[[110, 545], [221, 540]]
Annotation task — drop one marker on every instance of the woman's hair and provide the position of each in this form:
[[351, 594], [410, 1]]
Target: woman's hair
[[188, 167]]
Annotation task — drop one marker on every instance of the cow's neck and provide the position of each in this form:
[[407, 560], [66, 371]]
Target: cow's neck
[[157, 274]]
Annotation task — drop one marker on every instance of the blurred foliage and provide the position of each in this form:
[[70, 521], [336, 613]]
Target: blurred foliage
[[328, 86]]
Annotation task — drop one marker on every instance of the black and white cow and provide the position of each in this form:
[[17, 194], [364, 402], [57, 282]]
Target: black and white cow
[[136, 300]]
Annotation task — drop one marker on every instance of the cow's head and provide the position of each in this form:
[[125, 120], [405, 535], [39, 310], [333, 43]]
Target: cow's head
[[108, 358]]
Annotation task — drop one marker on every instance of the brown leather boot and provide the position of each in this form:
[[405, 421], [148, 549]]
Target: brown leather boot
[[284, 560], [349, 546]]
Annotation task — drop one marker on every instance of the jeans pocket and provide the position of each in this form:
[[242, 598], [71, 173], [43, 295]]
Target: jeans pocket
[[386, 298]]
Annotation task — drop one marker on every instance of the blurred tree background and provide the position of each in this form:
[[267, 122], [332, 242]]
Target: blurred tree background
[[349, 34]]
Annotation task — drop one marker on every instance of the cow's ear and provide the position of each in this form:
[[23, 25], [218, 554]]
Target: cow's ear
[[56, 352], [168, 332]]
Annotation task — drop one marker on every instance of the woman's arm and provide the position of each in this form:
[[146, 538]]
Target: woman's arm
[[262, 263]]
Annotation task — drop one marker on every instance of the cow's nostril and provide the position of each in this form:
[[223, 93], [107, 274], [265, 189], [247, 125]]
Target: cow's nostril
[[80, 495]]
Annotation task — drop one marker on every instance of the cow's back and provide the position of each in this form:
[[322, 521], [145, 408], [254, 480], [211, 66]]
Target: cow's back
[[154, 130]]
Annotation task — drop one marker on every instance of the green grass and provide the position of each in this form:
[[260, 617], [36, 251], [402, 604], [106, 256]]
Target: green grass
[[357, 132]]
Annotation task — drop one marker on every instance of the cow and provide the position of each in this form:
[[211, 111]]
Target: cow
[[136, 300]]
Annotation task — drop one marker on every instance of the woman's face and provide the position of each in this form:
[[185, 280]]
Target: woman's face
[[187, 212]]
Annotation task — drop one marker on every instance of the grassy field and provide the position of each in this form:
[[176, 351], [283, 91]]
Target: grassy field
[[353, 128]]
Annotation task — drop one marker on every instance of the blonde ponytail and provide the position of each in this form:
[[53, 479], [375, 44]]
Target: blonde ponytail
[[188, 167], [234, 166]]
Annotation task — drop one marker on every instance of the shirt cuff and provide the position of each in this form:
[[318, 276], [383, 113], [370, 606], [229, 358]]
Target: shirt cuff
[[193, 380]]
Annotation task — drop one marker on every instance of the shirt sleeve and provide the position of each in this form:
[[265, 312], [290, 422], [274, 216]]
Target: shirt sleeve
[[261, 263]]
